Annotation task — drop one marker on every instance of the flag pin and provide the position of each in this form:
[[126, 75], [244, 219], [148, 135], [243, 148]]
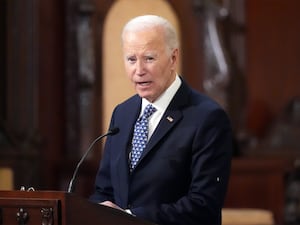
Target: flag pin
[[170, 119]]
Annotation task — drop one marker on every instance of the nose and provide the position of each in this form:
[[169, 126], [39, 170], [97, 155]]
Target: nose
[[140, 69]]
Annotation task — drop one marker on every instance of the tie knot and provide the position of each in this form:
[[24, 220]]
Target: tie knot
[[148, 111]]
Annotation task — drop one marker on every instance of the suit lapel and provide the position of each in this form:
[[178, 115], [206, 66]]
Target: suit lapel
[[168, 121], [170, 118], [126, 123]]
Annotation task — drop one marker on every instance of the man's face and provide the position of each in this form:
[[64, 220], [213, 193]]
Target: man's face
[[292, 205], [148, 64]]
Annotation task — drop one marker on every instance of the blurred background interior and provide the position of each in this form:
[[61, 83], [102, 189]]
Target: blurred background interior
[[61, 74]]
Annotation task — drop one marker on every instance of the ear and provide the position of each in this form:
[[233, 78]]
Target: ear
[[174, 57]]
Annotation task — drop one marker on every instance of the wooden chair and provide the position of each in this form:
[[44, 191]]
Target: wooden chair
[[247, 216]]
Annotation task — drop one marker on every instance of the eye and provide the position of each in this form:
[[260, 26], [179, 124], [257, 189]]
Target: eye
[[149, 59], [131, 59]]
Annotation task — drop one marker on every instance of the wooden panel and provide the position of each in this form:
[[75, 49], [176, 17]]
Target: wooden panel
[[48, 207], [273, 52], [31, 211], [258, 183], [51, 87]]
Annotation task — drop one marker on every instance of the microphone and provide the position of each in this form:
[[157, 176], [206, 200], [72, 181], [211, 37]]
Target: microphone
[[111, 131]]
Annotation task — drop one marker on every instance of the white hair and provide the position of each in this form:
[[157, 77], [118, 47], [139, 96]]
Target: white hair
[[150, 21]]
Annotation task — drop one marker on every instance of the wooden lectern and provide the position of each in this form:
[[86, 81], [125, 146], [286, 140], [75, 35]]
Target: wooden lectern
[[58, 208]]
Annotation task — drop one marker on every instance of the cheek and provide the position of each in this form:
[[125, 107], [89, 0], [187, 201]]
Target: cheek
[[157, 71], [164, 75], [129, 71]]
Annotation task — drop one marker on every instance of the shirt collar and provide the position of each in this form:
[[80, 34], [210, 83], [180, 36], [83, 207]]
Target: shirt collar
[[164, 100]]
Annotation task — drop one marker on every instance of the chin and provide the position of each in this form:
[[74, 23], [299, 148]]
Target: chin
[[144, 95]]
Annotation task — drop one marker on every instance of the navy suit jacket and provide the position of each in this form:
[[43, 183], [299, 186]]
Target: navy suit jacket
[[183, 173]]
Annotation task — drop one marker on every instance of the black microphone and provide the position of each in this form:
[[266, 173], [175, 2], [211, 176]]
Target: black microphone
[[111, 131]]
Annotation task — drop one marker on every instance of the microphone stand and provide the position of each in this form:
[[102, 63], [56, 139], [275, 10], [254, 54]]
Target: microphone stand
[[112, 131]]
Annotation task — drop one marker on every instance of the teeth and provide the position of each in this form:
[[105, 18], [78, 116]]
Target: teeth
[[143, 83]]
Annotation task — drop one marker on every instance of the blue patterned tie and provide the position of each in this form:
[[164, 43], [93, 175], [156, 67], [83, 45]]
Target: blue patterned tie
[[140, 135]]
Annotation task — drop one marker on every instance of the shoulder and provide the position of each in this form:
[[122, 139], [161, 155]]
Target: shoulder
[[128, 103], [200, 106], [196, 99], [128, 106]]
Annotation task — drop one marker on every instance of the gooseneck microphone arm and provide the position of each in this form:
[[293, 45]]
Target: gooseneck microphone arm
[[112, 131]]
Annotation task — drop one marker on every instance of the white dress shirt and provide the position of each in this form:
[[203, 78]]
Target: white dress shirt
[[161, 105]]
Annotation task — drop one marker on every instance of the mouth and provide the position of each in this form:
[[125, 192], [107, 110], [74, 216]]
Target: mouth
[[143, 84]]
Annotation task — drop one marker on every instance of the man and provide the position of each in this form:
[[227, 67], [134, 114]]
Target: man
[[182, 174]]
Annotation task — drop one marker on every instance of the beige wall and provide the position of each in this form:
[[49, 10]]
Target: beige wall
[[116, 86], [6, 179]]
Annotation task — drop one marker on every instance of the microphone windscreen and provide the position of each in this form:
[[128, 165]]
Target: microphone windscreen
[[114, 130]]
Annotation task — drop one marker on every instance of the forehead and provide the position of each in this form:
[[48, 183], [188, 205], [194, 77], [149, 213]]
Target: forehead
[[144, 38]]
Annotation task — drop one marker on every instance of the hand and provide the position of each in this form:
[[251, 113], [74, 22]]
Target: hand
[[110, 204]]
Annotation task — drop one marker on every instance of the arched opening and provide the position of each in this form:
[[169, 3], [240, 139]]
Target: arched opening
[[115, 85]]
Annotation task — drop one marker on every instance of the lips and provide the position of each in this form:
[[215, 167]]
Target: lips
[[145, 83]]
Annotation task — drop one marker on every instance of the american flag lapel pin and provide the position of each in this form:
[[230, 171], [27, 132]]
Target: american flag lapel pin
[[170, 119]]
